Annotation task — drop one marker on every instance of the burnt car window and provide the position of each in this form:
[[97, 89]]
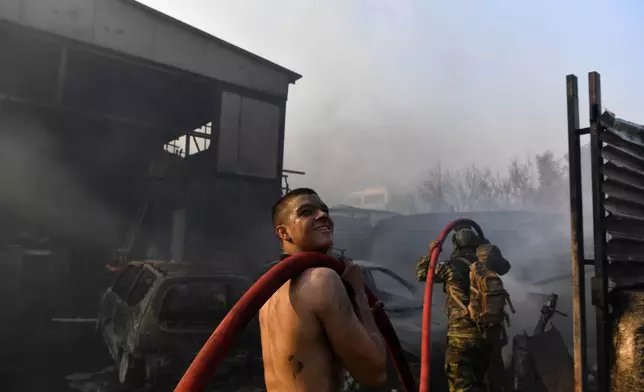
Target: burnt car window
[[142, 286], [194, 305], [389, 285], [125, 280]]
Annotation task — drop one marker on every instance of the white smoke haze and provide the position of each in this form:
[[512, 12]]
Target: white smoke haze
[[42, 190], [391, 89]]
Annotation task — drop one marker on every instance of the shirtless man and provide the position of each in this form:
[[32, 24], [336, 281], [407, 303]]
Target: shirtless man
[[310, 328]]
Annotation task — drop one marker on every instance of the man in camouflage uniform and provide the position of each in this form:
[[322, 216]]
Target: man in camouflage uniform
[[496, 337], [468, 351]]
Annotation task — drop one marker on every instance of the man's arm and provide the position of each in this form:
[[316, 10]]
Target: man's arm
[[441, 272], [422, 266], [358, 344]]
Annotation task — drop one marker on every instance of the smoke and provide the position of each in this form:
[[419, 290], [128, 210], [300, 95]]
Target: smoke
[[391, 88], [537, 244], [41, 190]]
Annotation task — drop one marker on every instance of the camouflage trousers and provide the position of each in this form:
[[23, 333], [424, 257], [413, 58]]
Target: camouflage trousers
[[466, 362], [497, 338]]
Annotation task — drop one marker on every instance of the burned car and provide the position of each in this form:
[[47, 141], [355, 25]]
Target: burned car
[[156, 316], [403, 303]]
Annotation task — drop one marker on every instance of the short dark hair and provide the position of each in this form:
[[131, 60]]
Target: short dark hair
[[280, 205]]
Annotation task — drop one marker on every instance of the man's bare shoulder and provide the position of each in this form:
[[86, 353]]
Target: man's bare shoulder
[[275, 302], [318, 288]]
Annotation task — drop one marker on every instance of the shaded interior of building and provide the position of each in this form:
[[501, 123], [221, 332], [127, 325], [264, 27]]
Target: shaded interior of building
[[94, 163]]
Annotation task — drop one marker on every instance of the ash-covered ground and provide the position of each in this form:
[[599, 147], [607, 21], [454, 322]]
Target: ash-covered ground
[[71, 358]]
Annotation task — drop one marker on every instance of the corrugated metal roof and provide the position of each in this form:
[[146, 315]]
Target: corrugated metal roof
[[134, 29], [293, 76]]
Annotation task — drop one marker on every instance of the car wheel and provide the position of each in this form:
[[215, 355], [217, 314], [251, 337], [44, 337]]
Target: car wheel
[[130, 370]]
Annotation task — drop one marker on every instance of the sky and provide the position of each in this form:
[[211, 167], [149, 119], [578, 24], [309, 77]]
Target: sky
[[392, 87]]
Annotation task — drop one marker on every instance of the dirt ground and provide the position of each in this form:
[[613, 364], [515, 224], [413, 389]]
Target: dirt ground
[[71, 358]]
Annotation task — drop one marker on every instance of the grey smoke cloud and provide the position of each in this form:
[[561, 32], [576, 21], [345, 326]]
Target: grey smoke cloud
[[391, 88]]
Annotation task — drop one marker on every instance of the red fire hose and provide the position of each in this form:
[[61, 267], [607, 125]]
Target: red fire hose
[[214, 351], [425, 346]]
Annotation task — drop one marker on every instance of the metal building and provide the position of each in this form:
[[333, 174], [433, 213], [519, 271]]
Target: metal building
[[122, 128]]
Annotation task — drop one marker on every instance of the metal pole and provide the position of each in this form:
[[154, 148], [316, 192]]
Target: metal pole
[[293, 172], [187, 146], [576, 237], [600, 280]]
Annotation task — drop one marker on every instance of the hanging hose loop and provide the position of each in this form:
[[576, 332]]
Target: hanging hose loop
[[216, 347]]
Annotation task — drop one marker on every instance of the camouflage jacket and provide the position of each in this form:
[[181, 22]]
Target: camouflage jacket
[[455, 276]]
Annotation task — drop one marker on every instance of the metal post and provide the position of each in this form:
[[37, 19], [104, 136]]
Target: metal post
[[576, 236], [600, 280], [187, 146]]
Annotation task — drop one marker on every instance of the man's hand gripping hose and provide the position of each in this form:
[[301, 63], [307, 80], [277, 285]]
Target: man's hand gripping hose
[[435, 250], [215, 349]]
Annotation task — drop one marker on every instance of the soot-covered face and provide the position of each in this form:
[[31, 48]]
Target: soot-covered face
[[305, 225]]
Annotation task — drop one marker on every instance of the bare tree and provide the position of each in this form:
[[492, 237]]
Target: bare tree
[[481, 188], [466, 190], [472, 189], [550, 169], [434, 189], [553, 189], [516, 189], [538, 183]]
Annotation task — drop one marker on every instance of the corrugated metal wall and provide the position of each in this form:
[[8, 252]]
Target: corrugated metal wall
[[623, 188], [617, 171]]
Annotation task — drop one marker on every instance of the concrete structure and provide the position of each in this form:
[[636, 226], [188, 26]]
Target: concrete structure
[[375, 198], [121, 127]]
